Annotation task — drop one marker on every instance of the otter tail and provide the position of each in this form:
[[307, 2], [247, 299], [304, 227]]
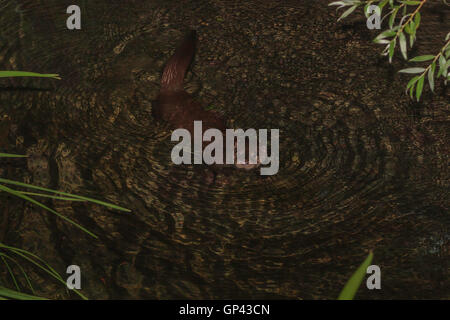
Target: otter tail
[[176, 67]]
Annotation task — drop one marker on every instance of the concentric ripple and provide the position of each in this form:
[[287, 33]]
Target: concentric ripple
[[344, 183]]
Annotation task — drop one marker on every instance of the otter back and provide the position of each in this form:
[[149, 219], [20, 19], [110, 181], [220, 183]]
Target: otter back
[[175, 105]]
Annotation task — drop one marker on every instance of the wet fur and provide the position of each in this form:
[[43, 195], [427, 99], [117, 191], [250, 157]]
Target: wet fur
[[174, 105]]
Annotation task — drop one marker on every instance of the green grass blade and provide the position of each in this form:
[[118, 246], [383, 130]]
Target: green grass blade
[[354, 282], [8, 155], [11, 273], [24, 253], [50, 196], [5, 74], [8, 293], [21, 269], [47, 268], [20, 195], [64, 194]]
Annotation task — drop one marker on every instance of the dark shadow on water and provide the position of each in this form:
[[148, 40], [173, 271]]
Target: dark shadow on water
[[25, 89]]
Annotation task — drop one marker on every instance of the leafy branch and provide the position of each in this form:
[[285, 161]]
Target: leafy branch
[[397, 33], [443, 58]]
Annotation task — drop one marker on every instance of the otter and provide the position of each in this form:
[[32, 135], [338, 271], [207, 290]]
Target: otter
[[176, 107]]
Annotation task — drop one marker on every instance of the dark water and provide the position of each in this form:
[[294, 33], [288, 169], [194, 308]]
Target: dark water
[[361, 166]]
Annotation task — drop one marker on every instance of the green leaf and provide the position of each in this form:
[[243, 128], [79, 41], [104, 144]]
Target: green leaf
[[412, 28], [417, 19], [412, 70], [382, 41], [411, 91], [422, 58], [391, 49], [411, 3], [382, 4], [385, 34], [366, 7], [431, 76], [392, 17], [4, 74], [447, 65], [444, 66], [442, 60], [337, 3], [403, 45], [442, 63], [412, 82], [347, 12], [412, 33], [412, 37], [407, 29], [354, 282], [419, 87]]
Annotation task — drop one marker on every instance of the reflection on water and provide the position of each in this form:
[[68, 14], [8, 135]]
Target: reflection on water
[[355, 172]]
